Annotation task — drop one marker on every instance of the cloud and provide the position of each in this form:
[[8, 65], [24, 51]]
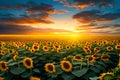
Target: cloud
[[21, 29], [65, 2], [33, 13], [86, 17], [91, 16], [43, 8], [94, 28], [62, 11], [25, 19], [86, 3]]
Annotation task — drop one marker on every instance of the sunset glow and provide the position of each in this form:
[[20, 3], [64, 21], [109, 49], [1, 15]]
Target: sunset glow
[[59, 17]]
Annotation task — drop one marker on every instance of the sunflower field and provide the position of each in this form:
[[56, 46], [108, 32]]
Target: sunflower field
[[60, 60]]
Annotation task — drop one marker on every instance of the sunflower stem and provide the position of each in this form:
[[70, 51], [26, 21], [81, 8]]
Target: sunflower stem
[[81, 65], [88, 63], [31, 71], [18, 65]]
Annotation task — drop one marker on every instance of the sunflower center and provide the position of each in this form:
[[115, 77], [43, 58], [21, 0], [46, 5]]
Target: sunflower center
[[105, 57], [88, 50], [118, 46], [28, 62], [35, 47], [109, 48], [95, 55], [48, 43], [66, 65], [50, 67], [3, 65], [91, 58], [67, 47], [77, 57], [97, 48], [45, 47], [56, 46]]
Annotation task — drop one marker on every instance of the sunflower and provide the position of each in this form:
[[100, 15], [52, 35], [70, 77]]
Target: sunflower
[[96, 49], [59, 50], [1, 78], [85, 48], [50, 68], [45, 48], [3, 66], [56, 46], [48, 43], [105, 57], [61, 47], [88, 51], [99, 44], [91, 59], [14, 52], [66, 66], [15, 57], [103, 75], [52, 49], [6, 50], [35, 47], [73, 45], [67, 47], [95, 56], [77, 58], [32, 50], [3, 43], [109, 48], [2, 52], [28, 63], [34, 78], [117, 47]]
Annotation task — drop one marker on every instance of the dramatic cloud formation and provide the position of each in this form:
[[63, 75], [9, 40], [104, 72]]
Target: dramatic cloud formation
[[87, 17], [25, 19], [42, 8], [59, 16], [36, 13], [86, 3]]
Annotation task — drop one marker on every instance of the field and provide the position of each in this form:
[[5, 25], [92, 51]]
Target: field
[[59, 58]]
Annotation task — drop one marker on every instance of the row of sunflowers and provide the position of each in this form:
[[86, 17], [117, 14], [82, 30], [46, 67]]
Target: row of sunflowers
[[60, 60]]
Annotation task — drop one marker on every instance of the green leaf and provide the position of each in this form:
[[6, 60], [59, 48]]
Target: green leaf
[[66, 76], [100, 67], [26, 74], [36, 70], [80, 72], [94, 78], [89, 74], [102, 63], [17, 70], [53, 75], [95, 69]]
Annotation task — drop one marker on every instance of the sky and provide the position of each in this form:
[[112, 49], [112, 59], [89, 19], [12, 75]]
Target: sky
[[39, 17]]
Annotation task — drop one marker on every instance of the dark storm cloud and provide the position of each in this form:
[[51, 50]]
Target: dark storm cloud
[[21, 29], [86, 3], [87, 17]]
